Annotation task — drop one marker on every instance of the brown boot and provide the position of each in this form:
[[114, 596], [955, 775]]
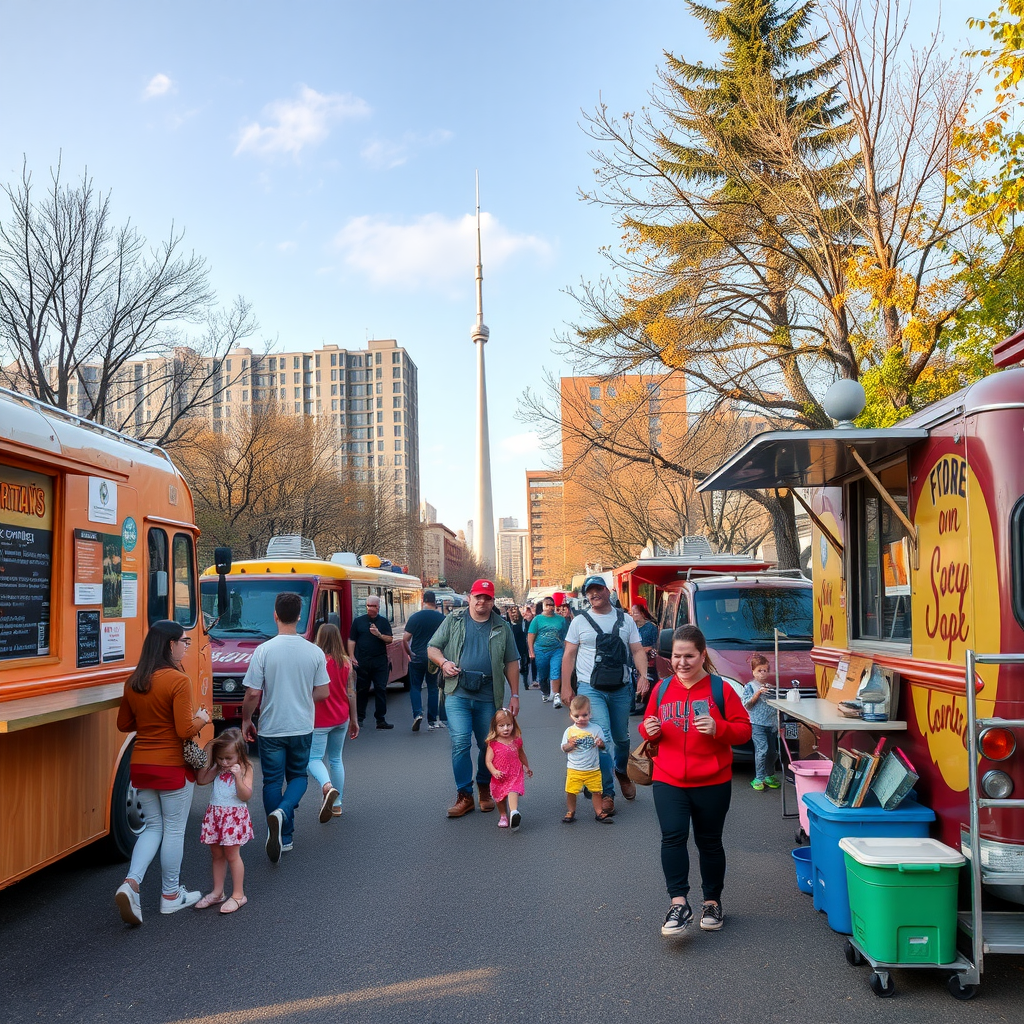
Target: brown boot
[[486, 800], [608, 806], [627, 785], [463, 805]]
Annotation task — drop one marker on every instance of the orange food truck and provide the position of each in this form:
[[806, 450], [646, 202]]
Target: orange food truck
[[918, 566], [97, 540], [331, 591]]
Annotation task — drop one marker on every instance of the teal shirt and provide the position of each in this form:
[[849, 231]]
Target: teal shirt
[[549, 630]]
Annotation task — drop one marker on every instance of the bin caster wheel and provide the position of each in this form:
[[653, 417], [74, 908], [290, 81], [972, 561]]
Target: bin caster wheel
[[958, 990], [853, 955], [882, 989]]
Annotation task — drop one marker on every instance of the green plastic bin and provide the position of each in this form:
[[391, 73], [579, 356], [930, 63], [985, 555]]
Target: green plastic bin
[[903, 898]]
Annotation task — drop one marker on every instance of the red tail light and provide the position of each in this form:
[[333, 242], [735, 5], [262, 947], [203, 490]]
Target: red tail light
[[997, 744]]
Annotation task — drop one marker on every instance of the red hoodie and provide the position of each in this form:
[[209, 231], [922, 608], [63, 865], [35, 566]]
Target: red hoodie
[[686, 757]]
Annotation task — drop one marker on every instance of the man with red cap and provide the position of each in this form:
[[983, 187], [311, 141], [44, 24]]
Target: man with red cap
[[475, 650]]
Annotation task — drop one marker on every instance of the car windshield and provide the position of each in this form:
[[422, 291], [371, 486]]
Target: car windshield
[[750, 615], [250, 610]]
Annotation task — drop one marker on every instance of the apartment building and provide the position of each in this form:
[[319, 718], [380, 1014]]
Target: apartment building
[[512, 551], [545, 528]]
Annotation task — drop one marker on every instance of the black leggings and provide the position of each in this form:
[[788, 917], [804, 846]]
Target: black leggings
[[706, 807]]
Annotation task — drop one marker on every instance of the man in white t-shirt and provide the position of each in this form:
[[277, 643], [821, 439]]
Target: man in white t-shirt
[[286, 676], [609, 698]]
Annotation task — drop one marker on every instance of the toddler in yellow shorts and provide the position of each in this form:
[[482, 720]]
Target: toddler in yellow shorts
[[581, 742]]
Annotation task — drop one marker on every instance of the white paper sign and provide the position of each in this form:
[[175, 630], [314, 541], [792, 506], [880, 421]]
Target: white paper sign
[[112, 641], [129, 594], [102, 500]]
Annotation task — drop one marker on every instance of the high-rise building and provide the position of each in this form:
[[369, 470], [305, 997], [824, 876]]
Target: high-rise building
[[512, 552], [428, 514], [546, 562]]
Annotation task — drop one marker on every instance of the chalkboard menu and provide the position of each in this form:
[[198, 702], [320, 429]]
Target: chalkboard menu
[[26, 560], [88, 639]]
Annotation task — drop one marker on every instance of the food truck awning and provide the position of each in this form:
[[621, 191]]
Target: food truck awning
[[808, 458]]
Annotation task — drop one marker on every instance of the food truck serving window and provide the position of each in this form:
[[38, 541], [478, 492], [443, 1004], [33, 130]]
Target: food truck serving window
[[1017, 558], [184, 581], [880, 560]]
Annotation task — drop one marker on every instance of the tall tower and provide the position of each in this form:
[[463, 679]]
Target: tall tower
[[483, 541]]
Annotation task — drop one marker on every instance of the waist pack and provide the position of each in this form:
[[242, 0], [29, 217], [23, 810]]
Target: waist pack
[[474, 682], [610, 656]]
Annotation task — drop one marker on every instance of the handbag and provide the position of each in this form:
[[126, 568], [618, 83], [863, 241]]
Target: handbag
[[640, 765], [195, 755]]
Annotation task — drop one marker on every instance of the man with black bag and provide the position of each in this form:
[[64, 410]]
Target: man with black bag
[[476, 653], [600, 645]]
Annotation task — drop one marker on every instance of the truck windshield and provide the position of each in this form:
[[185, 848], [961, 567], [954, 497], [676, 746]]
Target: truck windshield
[[750, 615], [250, 610]]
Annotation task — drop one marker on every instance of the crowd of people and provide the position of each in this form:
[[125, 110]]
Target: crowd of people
[[313, 696]]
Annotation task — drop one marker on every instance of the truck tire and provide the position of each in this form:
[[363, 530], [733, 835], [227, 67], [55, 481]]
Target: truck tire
[[126, 819]]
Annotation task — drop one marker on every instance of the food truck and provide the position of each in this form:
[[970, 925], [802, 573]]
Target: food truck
[[918, 559], [97, 541]]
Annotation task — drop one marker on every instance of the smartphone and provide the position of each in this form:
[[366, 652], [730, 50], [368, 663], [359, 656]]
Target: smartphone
[[701, 709]]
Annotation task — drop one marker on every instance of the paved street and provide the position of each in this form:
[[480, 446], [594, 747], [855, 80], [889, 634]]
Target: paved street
[[396, 914]]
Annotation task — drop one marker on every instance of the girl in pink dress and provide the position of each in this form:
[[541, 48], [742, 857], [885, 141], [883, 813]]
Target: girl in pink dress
[[226, 825], [506, 761]]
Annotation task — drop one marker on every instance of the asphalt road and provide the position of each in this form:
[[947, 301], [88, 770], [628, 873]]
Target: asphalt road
[[394, 913]]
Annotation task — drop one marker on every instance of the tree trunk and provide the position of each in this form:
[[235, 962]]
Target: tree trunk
[[783, 516]]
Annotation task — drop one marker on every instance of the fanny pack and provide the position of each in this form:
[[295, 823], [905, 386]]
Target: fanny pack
[[474, 682]]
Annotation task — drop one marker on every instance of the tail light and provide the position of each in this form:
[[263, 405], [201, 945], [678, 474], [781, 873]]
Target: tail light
[[997, 785], [997, 744]]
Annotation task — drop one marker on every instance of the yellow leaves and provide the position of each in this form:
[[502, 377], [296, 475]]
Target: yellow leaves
[[887, 286]]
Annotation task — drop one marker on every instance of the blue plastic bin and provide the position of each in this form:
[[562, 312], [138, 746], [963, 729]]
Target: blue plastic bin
[[829, 824]]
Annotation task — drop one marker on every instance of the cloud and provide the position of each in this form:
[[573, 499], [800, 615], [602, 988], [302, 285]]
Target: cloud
[[292, 125], [520, 444], [432, 250], [385, 154], [158, 85]]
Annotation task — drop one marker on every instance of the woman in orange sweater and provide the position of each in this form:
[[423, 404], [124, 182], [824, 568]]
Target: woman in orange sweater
[[157, 707], [693, 775]]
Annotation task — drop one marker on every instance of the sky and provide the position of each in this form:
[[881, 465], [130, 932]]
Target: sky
[[321, 157]]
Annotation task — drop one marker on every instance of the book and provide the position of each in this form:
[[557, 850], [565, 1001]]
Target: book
[[894, 779], [844, 769], [862, 785]]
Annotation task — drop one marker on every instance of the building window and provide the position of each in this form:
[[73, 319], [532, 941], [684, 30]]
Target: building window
[[380, 389], [295, 362], [378, 359], [398, 460], [397, 386], [334, 362], [334, 389], [396, 402], [380, 417], [398, 430], [273, 363], [380, 431], [298, 408], [380, 373], [283, 393], [396, 357], [334, 405], [595, 392], [380, 446], [611, 392], [396, 371], [880, 560]]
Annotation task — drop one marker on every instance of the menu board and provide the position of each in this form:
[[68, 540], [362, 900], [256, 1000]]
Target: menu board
[[26, 562], [87, 643]]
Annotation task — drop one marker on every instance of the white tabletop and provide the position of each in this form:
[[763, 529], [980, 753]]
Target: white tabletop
[[824, 715]]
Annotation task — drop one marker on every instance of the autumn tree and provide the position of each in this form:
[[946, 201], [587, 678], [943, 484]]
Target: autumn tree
[[82, 297]]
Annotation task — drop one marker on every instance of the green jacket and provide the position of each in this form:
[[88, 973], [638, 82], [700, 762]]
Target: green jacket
[[450, 638]]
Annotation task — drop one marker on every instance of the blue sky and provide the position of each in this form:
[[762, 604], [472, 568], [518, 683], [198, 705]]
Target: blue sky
[[321, 156]]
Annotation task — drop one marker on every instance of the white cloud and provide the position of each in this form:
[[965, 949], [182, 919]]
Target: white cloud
[[432, 250], [385, 154], [520, 444], [158, 85], [293, 125]]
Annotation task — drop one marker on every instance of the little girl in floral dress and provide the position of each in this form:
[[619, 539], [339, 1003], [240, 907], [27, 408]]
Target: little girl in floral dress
[[506, 761], [226, 825]]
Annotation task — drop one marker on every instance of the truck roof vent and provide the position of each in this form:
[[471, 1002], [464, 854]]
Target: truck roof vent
[[290, 546]]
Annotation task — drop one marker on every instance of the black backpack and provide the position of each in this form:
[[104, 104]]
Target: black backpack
[[610, 656]]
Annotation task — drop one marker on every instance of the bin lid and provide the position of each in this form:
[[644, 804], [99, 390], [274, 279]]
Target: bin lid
[[813, 768], [909, 810], [895, 850]]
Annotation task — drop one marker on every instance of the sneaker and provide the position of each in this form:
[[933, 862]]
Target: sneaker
[[417, 722], [756, 784], [325, 808], [711, 916], [556, 701], [286, 847], [441, 724], [431, 726], [678, 917], [129, 904], [275, 823], [515, 819], [384, 725], [182, 900], [546, 698], [772, 782]]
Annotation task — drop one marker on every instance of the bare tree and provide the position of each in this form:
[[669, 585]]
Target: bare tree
[[82, 298]]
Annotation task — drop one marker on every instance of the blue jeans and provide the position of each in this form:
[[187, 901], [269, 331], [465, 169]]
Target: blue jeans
[[610, 710], [549, 667], [418, 674], [330, 742], [766, 750], [466, 719], [284, 760], [165, 814]]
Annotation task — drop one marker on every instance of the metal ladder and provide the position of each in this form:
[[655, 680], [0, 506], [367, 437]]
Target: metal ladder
[[990, 932]]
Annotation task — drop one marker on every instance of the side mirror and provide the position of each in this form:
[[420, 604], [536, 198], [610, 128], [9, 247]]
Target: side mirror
[[665, 643], [222, 563]]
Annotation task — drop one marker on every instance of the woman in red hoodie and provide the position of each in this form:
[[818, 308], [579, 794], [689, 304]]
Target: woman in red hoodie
[[693, 775]]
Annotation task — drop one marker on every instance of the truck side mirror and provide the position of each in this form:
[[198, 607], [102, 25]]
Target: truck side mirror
[[222, 563], [665, 643]]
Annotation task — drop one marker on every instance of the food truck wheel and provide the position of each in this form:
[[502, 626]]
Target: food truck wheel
[[882, 988], [126, 822], [958, 990], [853, 955]]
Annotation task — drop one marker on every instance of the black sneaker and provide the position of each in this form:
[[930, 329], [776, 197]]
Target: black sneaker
[[384, 725], [711, 916], [416, 723], [678, 917]]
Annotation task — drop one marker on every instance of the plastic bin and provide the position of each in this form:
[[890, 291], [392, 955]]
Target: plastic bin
[[804, 878], [809, 777], [829, 824], [903, 898]]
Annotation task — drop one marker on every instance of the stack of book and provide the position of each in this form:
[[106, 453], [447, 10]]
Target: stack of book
[[856, 773]]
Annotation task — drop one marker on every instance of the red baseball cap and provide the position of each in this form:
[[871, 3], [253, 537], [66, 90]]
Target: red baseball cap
[[482, 587]]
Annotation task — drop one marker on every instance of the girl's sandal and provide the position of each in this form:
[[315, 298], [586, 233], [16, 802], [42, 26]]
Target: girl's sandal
[[604, 818], [569, 819], [231, 904], [210, 899], [503, 822]]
